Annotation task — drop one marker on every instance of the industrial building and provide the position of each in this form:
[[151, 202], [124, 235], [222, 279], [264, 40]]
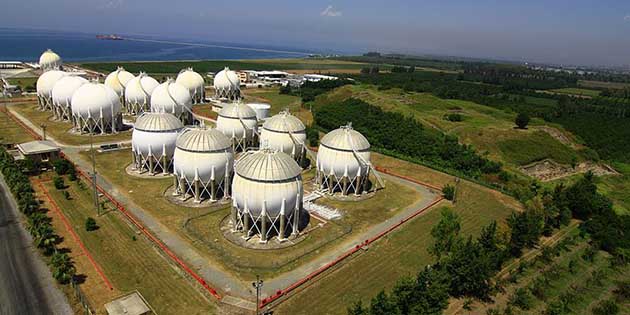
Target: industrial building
[[267, 195], [343, 162], [153, 142], [174, 98], [227, 85], [195, 84], [239, 123], [96, 108], [202, 166], [286, 133], [38, 151], [138, 93], [62, 95]]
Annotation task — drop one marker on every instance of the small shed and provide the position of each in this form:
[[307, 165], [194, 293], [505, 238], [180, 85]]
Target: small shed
[[39, 150], [130, 304]]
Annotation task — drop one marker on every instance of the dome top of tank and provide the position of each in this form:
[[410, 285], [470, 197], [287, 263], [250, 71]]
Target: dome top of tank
[[157, 122], [267, 165], [237, 110], [49, 58], [345, 138], [226, 79], [203, 139], [284, 122]]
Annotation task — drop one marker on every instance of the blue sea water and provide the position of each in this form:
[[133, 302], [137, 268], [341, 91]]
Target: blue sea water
[[28, 45]]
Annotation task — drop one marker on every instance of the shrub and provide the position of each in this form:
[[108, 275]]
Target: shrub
[[90, 224], [449, 192], [521, 298], [58, 182], [606, 307], [454, 117], [522, 120], [66, 195]]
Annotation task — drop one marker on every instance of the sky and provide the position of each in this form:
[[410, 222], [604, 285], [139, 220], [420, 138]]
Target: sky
[[550, 31]]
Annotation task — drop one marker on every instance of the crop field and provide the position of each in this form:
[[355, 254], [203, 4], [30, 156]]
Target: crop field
[[173, 67], [487, 129], [60, 130], [127, 260], [10, 131], [403, 252], [203, 228], [577, 91]]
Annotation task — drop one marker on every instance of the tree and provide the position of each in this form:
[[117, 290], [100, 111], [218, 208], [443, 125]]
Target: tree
[[381, 304], [525, 229], [522, 120], [470, 270], [449, 192], [63, 268], [606, 307], [445, 233], [357, 309], [58, 182], [90, 224]]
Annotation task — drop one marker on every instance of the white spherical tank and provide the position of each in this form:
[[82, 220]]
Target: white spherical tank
[[45, 84], [194, 82], [284, 132], [138, 93], [173, 98], [203, 161], [62, 95], [261, 109], [238, 122], [49, 60], [227, 85], [96, 107], [118, 80], [343, 161], [153, 141]]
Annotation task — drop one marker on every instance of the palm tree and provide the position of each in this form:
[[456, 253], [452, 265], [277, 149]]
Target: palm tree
[[63, 267]]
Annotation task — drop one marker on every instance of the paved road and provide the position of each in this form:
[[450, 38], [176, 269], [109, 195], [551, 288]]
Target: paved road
[[26, 285]]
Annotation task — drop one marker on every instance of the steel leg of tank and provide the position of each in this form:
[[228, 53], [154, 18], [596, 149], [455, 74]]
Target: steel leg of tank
[[197, 196], [213, 195], [263, 233], [164, 165], [358, 186], [296, 222], [177, 188], [234, 217], [283, 227], [246, 225], [151, 165], [184, 188], [344, 186]]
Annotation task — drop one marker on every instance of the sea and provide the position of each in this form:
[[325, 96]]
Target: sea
[[27, 45]]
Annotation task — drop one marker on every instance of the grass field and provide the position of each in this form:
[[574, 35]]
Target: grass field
[[602, 85], [129, 261], [488, 129], [173, 67], [10, 131], [24, 82], [402, 253], [577, 91], [60, 129], [246, 263]]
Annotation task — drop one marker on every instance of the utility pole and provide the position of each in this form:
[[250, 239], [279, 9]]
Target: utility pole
[[258, 285], [43, 126], [96, 205]]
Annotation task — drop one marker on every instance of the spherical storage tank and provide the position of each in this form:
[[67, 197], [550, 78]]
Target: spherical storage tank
[[138, 93], [195, 84], [267, 194], [45, 84], [153, 141], [238, 122], [118, 80], [171, 97], [285, 132], [49, 60], [343, 161], [227, 85], [62, 95], [96, 108], [202, 164]]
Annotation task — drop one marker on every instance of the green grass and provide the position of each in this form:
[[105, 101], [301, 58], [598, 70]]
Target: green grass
[[536, 146], [23, 83], [60, 130], [577, 91], [173, 67], [129, 264], [11, 132], [617, 188], [403, 252], [242, 262]]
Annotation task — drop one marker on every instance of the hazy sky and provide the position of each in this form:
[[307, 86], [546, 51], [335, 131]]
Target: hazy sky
[[559, 31]]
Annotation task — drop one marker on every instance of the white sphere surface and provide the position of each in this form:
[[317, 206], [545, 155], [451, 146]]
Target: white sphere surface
[[93, 99]]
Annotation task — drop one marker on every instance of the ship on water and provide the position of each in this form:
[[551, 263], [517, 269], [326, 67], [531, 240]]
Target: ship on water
[[109, 37]]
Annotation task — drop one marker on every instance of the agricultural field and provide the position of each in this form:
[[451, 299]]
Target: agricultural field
[[577, 92], [60, 130], [246, 263], [488, 129], [173, 67], [126, 258], [403, 252]]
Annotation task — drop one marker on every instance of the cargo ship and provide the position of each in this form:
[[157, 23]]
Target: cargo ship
[[109, 37]]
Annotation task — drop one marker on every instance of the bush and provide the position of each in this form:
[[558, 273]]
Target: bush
[[63, 166], [66, 195], [449, 192], [522, 120], [522, 299], [606, 307], [90, 224], [59, 183], [454, 117]]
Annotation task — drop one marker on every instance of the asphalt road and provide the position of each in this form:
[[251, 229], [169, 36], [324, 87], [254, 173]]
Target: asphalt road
[[26, 284]]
